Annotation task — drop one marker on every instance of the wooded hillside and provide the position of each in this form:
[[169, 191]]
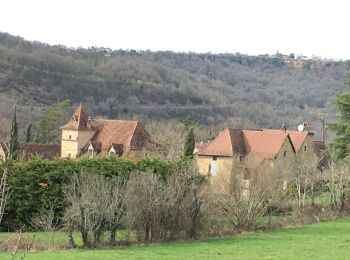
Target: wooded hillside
[[240, 90]]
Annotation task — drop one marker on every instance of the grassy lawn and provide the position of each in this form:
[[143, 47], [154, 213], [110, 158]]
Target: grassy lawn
[[328, 240]]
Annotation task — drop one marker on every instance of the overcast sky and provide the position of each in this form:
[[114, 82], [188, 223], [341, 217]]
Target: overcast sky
[[308, 27]]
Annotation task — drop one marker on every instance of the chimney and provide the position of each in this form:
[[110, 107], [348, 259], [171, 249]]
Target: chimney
[[284, 128], [306, 126]]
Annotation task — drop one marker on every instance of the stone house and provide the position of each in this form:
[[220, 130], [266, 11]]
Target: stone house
[[244, 152], [84, 136]]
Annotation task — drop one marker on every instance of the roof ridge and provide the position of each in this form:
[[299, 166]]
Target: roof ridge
[[122, 120]]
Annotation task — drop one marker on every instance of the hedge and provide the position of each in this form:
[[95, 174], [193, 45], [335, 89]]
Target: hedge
[[37, 183]]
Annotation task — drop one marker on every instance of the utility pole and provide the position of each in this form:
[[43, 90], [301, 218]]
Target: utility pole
[[321, 116]]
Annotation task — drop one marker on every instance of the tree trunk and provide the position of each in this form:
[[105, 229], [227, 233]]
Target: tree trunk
[[71, 242], [85, 238], [112, 234]]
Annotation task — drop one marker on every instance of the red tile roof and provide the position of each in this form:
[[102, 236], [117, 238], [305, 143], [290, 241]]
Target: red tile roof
[[79, 120], [252, 144], [120, 132], [264, 144], [200, 146], [227, 143], [27, 151], [123, 134], [297, 137], [45, 151]]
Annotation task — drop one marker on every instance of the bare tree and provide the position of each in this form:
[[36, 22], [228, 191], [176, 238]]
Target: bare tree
[[116, 210], [45, 220], [241, 201], [304, 175], [144, 205], [184, 203], [89, 197], [337, 180], [161, 209], [170, 135]]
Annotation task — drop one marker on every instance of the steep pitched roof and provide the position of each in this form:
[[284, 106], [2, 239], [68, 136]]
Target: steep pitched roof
[[262, 144], [200, 146], [253, 144], [79, 121], [297, 138], [227, 143], [128, 133]]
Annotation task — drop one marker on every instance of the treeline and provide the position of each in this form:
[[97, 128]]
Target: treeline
[[247, 90]]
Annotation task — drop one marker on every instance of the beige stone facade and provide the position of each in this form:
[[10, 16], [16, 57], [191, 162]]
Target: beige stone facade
[[73, 141], [241, 153]]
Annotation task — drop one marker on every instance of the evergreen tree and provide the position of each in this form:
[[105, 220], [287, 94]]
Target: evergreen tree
[[14, 142], [29, 133], [187, 122], [341, 145], [189, 143], [53, 118]]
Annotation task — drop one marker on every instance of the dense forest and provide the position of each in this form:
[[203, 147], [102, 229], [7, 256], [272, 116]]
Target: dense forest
[[213, 89]]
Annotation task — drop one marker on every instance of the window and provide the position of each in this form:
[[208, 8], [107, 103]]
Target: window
[[213, 169], [285, 153], [215, 158], [305, 148], [111, 153], [69, 136]]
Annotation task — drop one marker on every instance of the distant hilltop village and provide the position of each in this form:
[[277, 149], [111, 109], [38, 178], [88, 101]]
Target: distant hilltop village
[[298, 62], [301, 62]]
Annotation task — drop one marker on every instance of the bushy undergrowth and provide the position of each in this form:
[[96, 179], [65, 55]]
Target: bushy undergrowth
[[38, 183]]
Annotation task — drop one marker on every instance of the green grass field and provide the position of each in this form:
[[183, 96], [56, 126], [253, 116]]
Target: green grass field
[[327, 240]]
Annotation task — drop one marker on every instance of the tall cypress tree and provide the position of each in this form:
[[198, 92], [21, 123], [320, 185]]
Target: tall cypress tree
[[29, 133], [14, 142], [189, 143]]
